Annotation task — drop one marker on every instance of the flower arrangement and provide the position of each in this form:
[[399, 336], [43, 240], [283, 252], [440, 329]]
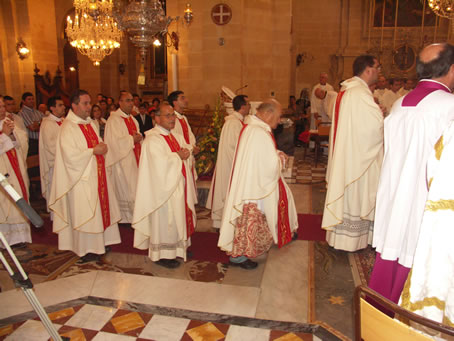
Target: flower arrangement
[[208, 143]]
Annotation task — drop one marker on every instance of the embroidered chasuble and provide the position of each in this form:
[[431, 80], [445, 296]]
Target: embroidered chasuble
[[164, 218], [123, 160], [354, 166], [82, 197], [259, 208], [13, 223]]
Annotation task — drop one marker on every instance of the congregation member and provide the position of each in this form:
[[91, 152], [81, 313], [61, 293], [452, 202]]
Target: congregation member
[[10, 106], [32, 120], [86, 212], [164, 213], [48, 133], [411, 131], [259, 209], [136, 101], [355, 160], [179, 102], [428, 290], [13, 223], [317, 107], [123, 137], [391, 95], [98, 120], [226, 151], [144, 119]]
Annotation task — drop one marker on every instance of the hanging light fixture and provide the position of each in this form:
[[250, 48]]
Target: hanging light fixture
[[94, 31], [442, 8], [144, 21]]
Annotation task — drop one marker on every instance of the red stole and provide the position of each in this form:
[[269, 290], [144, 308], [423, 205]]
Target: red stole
[[59, 122], [92, 141], [336, 115], [131, 130], [175, 147], [284, 234], [13, 160], [185, 128]]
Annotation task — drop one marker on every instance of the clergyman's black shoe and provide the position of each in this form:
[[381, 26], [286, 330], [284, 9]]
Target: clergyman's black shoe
[[168, 263], [247, 264], [89, 257]]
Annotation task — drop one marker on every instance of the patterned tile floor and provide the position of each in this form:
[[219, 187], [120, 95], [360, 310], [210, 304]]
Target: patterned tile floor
[[94, 322]]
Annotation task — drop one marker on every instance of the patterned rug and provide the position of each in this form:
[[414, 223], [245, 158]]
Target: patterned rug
[[363, 262]]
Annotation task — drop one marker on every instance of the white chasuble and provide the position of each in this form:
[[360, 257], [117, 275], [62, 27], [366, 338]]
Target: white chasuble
[[355, 162], [122, 160], [162, 217], [226, 152], [429, 291], [48, 132], [13, 223], [256, 178], [75, 196]]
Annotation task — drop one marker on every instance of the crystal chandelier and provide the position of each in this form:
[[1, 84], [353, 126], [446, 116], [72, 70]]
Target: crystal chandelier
[[94, 31], [144, 21], [442, 8]]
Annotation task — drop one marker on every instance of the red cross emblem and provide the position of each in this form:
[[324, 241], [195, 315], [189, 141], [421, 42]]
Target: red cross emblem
[[221, 14]]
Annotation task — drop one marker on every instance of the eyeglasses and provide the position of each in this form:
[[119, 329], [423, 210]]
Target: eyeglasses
[[168, 115]]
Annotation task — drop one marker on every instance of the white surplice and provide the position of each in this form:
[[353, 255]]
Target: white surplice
[[226, 152], [388, 98], [121, 162], [48, 133], [159, 214], [178, 129], [255, 178], [410, 134], [317, 104], [429, 291], [13, 223], [357, 155], [74, 197]]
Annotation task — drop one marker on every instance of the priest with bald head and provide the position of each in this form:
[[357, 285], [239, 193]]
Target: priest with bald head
[[164, 213], [412, 130], [259, 208]]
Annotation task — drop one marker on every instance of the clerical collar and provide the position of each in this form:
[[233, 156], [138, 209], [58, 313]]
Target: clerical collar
[[163, 129], [238, 115], [122, 113], [260, 122], [55, 118]]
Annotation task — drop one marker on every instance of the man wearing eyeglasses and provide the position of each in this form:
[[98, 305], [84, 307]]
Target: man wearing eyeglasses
[[356, 155], [164, 214], [123, 137]]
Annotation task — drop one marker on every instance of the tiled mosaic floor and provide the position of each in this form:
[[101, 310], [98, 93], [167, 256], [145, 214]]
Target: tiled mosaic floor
[[304, 169], [96, 322]]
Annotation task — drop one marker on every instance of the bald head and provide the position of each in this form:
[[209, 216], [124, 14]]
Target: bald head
[[434, 61], [270, 112]]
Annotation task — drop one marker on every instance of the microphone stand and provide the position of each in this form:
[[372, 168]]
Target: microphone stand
[[20, 278]]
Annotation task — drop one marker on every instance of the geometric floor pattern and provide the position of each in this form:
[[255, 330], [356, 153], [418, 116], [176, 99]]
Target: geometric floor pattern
[[93, 322]]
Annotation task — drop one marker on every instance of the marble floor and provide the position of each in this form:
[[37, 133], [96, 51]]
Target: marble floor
[[273, 302]]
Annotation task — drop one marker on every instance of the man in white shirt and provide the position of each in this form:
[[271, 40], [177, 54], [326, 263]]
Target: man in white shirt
[[318, 110], [390, 96]]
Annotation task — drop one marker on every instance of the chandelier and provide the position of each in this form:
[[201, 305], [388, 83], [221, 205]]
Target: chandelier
[[94, 31], [442, 8], [144, 21]]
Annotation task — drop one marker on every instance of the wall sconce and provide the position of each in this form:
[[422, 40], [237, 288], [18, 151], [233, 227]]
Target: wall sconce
[[22, 49], [122, 68], [188, 16], [72, 68]]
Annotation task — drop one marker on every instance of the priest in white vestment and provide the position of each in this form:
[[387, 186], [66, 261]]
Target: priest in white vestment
[[123, 137], [50, 127], [179, 102], [380, 89], [13, 223], [259, 209], [428, 290], [226, 151], [164, 213], [357, 154], [390, 95], [86, 212], [411, 131], [318, 110]]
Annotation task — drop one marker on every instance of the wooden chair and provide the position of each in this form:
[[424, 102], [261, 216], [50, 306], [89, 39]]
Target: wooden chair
[[35, 181], [323, 136], [373, 325]]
